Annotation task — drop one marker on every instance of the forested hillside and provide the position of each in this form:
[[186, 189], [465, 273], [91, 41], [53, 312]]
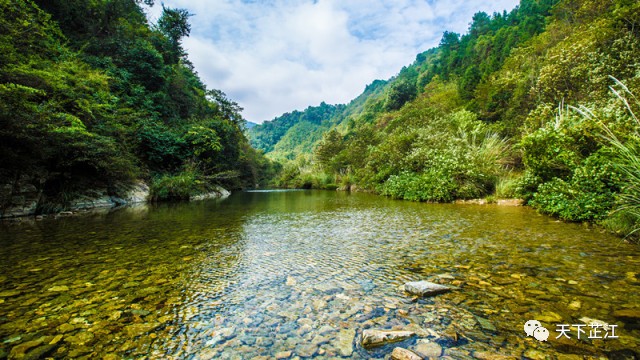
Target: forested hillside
[[93, 96], [535, 103], [295, 133]]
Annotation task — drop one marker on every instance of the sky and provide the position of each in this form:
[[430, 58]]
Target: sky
[[276, 56]]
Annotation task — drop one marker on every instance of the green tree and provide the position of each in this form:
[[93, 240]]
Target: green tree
[[174, 24], [400, 93]]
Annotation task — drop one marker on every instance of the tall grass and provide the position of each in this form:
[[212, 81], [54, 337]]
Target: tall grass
[[627, 160]]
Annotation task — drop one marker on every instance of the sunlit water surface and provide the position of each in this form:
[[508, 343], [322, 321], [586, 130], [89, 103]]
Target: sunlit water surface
[[301, 274]]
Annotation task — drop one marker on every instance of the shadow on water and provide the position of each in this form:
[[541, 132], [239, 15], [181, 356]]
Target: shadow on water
[[263, 273]]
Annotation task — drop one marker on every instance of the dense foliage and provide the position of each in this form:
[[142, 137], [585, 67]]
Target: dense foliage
[[524, 105], [94, 96]]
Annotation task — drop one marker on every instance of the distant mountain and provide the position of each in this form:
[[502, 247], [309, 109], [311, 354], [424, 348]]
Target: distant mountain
[[295, 133], [249, 124], [292, 133]]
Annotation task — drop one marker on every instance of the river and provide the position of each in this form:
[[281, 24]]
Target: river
[[303, 273]]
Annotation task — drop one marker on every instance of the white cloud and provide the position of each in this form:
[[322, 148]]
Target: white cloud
[[277, 56]]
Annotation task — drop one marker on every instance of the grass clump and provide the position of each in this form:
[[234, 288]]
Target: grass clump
[[181, 186]]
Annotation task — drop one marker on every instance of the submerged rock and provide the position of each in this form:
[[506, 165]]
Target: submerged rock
[[10, 293], [58, 288], [345, 342], [306, 350], [372, 338], [19, 351], [283, 355], [404, 354], [485, 324], [425, 288], [627, 314], [428, 349]]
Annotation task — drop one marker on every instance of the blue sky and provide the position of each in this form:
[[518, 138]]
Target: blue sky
[[276, 56]]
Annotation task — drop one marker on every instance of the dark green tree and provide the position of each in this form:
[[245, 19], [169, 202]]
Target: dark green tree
[[174, 24]]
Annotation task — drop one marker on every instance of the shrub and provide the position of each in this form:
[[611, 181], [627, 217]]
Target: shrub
[[432, 185], [181, 186]]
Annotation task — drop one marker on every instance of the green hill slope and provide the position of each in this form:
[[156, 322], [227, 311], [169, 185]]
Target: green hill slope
[[479, 115], [92, 96]]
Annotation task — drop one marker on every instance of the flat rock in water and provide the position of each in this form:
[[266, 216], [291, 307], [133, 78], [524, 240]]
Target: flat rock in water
[[58, 288], [404, 354], [372, 338], [344, 342], [428, 349], [425, 288], [632, 314]]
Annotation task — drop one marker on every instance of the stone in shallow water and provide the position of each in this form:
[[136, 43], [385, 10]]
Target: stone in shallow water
[[372, 338], [549, 317], [627, 314], [39, 353], [306, 350], [404, 354], [486, 355], [81, 338], [19, 351], [574, 305], [283, 355], [10, 293], [425, 288], [428, 349], [58, 288], [140, 329], [65, 328], [485, 324], [344, 343], [328, 288]]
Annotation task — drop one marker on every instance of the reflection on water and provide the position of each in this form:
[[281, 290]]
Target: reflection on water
[[302, 274]]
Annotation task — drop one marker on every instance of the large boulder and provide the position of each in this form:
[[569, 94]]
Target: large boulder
[[425, 288], [373, 338], [139, 193]]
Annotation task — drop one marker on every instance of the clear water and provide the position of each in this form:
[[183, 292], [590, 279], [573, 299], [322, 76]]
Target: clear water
[[301, 274]]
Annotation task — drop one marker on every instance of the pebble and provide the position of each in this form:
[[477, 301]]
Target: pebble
[[428, 349], [283, 355], [306, 350], [372, 338], [425, 288], [404, 354], [575, 305], [65, 328], [58, 288], [344, 342], [19, 351]]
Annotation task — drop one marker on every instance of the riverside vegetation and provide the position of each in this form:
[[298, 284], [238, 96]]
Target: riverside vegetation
[[534, 103], [93, 96]]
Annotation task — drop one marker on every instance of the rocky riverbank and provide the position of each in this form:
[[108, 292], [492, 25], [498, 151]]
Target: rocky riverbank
[[25, 197]]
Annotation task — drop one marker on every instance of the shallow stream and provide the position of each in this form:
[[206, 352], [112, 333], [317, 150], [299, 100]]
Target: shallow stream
[[303, 273]]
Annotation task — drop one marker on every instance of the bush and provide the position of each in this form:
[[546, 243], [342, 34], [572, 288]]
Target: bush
[[588, 195], [176, 187], [433, 186]]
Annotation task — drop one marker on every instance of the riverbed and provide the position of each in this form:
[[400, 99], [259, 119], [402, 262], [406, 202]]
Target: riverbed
[[300, 274]]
